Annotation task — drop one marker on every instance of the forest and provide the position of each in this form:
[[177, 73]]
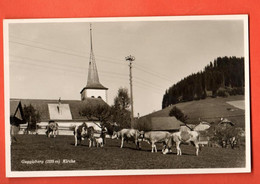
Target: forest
[[222, 77]]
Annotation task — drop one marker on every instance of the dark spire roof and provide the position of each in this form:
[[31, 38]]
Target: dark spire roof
[[93, 79]]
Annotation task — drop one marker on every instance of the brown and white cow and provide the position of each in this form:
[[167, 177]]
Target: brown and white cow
[[183, 137], [127, 135], [153, 137], [82, 132], [52, 127]]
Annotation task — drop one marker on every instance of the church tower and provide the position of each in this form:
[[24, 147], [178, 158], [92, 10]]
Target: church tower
[[93, 89]]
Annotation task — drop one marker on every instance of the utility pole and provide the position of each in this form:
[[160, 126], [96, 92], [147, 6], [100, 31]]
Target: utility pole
[[131, 59]]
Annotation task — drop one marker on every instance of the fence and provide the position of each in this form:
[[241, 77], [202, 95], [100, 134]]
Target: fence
[[65, 128]]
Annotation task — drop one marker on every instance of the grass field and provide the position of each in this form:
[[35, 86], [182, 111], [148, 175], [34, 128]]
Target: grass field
[[111, 157], [210, 110]]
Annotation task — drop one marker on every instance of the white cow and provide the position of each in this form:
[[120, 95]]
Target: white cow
[[127, 135], [153, 137], [183, 136], [99, 141]]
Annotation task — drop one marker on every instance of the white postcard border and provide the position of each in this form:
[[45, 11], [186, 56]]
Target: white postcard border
[[10, 173]]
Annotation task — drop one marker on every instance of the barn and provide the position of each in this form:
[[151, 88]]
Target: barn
[[165, 124]]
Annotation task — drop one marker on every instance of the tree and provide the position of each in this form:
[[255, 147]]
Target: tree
[[31, 116], [178, 114], [223, 73], [100, 112], [120, 109], [122, 100]]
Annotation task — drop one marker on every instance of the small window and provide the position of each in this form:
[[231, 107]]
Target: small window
[[92, 97], [99, 97]]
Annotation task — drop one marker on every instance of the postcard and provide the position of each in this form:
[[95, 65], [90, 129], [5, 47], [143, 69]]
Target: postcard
[[127, 96]]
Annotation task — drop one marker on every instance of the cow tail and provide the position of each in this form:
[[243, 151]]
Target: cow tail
[[74, 131]]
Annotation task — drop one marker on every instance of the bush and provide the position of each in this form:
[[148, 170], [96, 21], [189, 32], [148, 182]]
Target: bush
[[222, 93], [236, 91], [217, 133]]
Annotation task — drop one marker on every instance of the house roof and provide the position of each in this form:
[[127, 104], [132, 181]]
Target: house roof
[[16, 112], [14, 107], [42, 106], [94, 86], [165, 123], [202, 126], [226, 121]]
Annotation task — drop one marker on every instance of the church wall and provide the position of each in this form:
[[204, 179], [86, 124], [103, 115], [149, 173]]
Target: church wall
[[96, 93]]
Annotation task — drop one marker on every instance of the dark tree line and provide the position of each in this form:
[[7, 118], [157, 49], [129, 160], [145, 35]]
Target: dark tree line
[[223, 77]]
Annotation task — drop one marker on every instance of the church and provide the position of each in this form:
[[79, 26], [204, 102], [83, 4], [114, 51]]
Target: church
[[65, 112]]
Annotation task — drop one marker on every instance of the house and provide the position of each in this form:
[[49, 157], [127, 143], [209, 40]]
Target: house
[[225, 123], [16, 118]]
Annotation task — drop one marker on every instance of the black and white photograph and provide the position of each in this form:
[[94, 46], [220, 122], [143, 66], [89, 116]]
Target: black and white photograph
[[127, 96]]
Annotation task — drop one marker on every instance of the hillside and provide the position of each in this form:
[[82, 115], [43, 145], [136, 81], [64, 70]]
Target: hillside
[[210, 110], [223, 77]]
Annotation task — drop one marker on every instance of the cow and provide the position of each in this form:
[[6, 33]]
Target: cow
[[153, 137], [99, 141], [127, 135], [52, 127], [83, 131], [232, 141], [103, 134], [182, 137], [14, 131], [111, 128]]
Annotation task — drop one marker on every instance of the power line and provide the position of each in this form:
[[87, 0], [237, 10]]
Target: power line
[[153, 73], [105, 59], [147, 87], [65, 66], [77, 74], [77, 53], [102, 60], [50, 50], [149, 82], [77, 69]]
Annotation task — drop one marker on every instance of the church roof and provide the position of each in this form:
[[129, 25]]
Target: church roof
[[43, 107], [93, 79]]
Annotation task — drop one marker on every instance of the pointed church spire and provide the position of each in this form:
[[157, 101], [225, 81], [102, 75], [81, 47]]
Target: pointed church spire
[[93, 79]]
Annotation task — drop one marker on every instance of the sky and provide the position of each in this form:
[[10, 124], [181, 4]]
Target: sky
[[50, 60]]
